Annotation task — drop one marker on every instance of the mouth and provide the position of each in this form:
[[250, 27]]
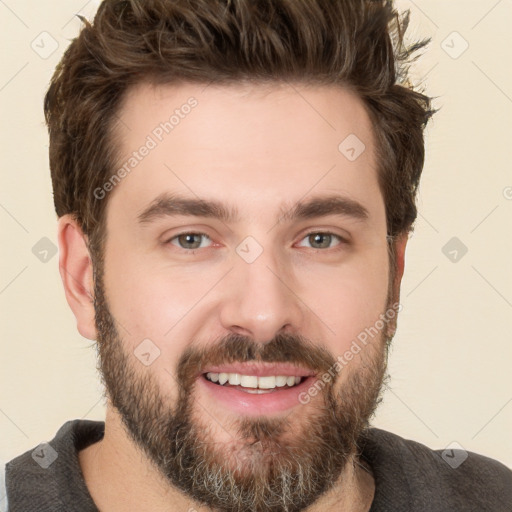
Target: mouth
[[253, 383], [255, 395]]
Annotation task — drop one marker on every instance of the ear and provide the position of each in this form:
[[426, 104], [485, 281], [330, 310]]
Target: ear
[[398, 249], [75, 267]]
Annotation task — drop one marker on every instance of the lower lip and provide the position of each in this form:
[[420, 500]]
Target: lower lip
[[242, 402]]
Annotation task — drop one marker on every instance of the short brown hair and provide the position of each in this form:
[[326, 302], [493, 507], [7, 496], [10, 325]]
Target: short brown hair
[[353, 43]]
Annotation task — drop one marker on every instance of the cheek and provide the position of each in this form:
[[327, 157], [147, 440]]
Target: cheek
[[348, 299], [151, 303], [155, 313]]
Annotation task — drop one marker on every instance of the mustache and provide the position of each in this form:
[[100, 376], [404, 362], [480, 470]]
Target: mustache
[[235, 348]]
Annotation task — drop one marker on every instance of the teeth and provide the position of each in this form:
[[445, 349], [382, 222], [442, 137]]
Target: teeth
[[252, 381], [280, 381], [267, 382], [234, 379], [248, 381]]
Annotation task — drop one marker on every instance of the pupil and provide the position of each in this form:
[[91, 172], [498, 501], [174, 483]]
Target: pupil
[[321, 240], [188, 241]]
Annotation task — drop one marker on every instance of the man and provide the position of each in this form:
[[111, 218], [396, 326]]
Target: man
[[235, 183]]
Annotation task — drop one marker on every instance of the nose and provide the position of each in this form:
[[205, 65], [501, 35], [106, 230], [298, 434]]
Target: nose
[[260, 301]]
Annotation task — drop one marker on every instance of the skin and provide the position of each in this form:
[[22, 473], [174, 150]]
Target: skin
[[260, 150]]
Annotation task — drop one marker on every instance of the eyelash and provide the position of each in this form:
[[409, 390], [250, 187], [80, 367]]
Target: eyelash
[[307, 235]]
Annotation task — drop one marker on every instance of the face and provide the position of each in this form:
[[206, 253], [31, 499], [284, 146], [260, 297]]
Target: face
[[243, 244]]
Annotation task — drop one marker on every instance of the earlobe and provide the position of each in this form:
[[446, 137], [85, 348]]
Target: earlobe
[[76, 271]]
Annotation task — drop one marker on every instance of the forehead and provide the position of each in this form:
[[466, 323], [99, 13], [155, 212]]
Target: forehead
[[243, 144]]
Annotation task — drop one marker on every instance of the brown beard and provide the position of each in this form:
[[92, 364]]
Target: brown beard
[[272, 464]]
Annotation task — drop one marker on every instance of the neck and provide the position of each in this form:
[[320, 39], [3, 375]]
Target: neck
[[121, 478]]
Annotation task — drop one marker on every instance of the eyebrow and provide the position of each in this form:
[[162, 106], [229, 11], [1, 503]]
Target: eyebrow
[[170, 205]]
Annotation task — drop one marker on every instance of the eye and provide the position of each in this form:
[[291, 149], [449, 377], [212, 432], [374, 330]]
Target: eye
[[190, 240], [320, 240]]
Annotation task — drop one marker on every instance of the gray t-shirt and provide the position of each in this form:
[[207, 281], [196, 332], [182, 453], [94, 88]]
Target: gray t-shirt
[[408, 475]]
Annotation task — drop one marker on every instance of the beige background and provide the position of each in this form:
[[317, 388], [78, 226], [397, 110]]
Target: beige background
[[450, 365]]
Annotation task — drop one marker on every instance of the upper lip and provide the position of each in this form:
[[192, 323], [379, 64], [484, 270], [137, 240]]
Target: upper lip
[[260, 369]]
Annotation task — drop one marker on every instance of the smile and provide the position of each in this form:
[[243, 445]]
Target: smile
[[253, 383]]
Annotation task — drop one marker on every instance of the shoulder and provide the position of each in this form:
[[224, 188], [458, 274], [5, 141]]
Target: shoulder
[[69, 439], [457, 478], [49, 474], [3, 493]]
